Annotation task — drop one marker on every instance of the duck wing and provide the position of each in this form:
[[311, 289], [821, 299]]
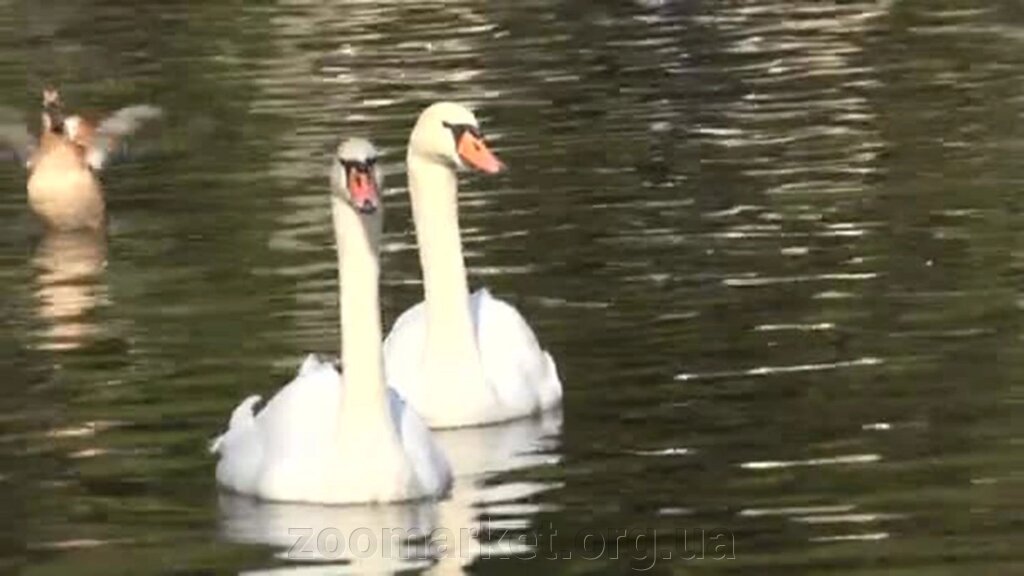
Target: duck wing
[[106, 142], [16, 143]]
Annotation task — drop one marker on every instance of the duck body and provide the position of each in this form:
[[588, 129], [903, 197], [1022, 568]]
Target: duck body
[[514, 378], [308, 445], [63, 191]]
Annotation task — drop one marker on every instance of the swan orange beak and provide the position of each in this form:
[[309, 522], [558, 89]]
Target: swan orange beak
[[363, 191], [473, 151]]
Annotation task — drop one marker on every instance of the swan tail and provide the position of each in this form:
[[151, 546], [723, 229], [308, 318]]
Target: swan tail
[[551, 390], [215, 444], [242, 418], [311, 364]]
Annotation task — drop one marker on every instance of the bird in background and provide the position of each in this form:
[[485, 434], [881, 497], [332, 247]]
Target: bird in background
[[64, 162]]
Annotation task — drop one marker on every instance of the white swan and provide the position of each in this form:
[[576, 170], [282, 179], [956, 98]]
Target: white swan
[[460, 359], [325, 440]]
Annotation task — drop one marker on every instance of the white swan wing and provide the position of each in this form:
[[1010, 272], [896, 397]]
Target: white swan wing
[[428, 462], [273, 451], [522, 373]]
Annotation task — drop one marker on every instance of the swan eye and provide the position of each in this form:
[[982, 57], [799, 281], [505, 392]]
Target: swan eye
[[358, 165], [460, 130]]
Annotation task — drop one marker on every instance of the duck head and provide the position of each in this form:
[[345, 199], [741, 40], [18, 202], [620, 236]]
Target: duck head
[[53, 111]]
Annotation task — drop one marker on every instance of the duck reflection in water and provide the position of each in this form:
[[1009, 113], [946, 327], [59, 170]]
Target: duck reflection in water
[[69, 284], [441, 536]]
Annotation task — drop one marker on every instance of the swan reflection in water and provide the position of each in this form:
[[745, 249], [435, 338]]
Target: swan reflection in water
[[69, 283], [386, 538]]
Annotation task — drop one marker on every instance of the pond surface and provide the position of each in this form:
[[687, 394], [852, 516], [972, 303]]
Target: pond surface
[[776, 248]]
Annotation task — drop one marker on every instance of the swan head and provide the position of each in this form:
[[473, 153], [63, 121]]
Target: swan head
[[449, 133], [355, 176]]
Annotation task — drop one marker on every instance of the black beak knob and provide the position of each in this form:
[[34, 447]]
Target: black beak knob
[[367, 207]]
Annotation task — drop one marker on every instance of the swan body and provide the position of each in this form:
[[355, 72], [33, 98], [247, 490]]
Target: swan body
[[338, 438], [481, 458], [517, 377], [305, 446], [460, 359]]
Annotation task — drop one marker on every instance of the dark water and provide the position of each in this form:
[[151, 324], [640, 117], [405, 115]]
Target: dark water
[[775, 247]]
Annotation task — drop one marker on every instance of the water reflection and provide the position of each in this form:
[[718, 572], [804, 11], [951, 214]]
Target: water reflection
[[373, 538], [443, 535], [70, 283], [480, 503]]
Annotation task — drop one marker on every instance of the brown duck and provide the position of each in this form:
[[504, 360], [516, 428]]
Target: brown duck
[[64, 190]]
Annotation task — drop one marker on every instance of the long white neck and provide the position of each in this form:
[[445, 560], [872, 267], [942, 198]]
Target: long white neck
[[433, 189], [358, 275]]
